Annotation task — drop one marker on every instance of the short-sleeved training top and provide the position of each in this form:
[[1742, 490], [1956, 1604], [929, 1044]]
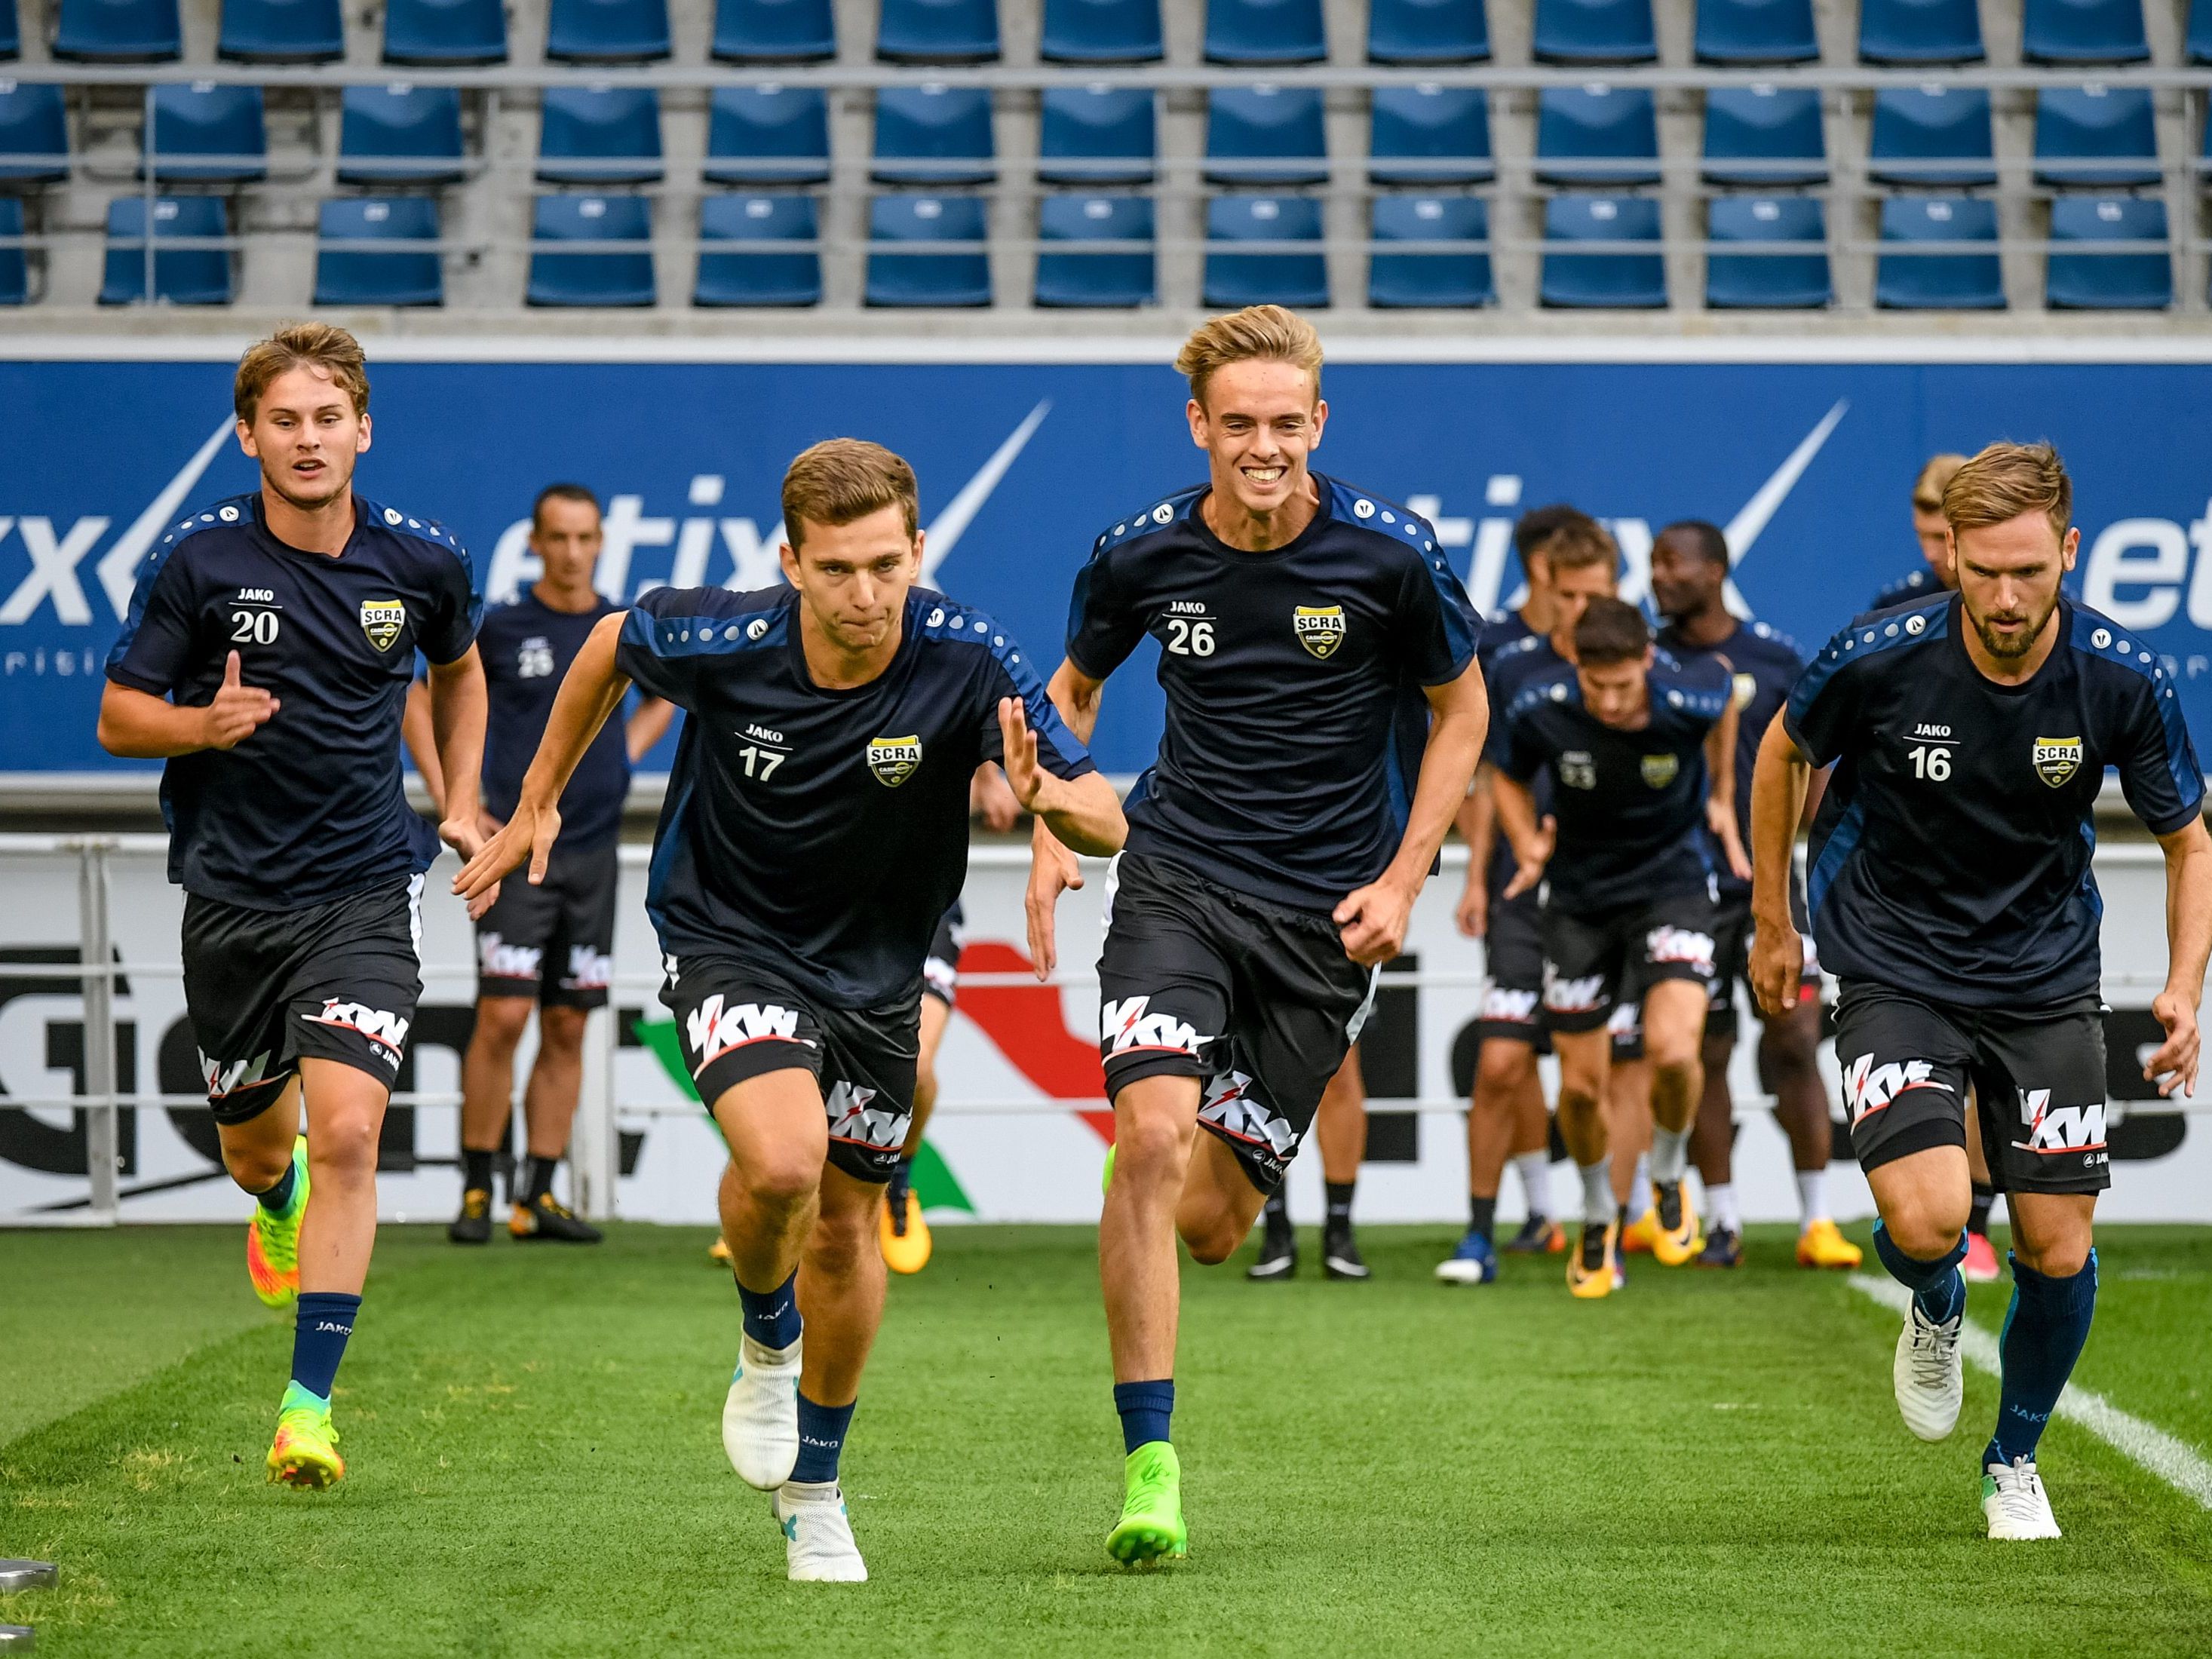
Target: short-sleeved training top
[[1631, 805], [313, 806], [1508, 668], [815, 834], [1295, 719], [527, 647], [1912, 587], [1951, 858], [1764, 665]]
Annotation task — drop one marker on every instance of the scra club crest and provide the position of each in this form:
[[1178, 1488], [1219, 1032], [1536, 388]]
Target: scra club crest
[[1320, 628], [381, 620], [893, 760], [2057, 759]]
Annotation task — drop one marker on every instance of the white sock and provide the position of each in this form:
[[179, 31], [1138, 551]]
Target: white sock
[[1597, 1192], [1812, 1195], [1535, 1169], [1670, 1151], [1720, 1199], [1639, 1188]]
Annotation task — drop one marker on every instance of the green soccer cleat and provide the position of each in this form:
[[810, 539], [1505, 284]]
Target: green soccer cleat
[[305, 1453], [272, 1240], [1151, 1527], [1106, 1174]]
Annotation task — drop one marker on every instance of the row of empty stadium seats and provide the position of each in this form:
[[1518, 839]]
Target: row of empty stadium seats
[[1242, 32]]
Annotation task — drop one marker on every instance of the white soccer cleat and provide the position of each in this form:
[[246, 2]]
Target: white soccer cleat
[[818, 1535], [760, 1419], [1930, 1380], [2014, 1499]]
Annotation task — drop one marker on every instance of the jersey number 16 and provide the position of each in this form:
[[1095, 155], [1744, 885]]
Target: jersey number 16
[[1934, 764]]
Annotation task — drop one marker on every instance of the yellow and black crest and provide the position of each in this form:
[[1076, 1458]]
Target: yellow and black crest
[[381, 620], [2057, 759], [1660, 770], [893, 760], [1320, 628]]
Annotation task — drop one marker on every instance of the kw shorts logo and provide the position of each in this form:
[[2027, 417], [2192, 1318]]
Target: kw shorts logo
[[1573, 996], [852, 1118], [381, 620], [1679, 945], [893, 760], [386, 1031], [588, 969], [1516, 1007], [2057, 759], [2053, 1129], [1126, 1025], [1626, 1023], [1868, 1088], [223, 1079], [1660, 770], [1320, 628], [1233, 1108], [714, 1029], [497, 959]]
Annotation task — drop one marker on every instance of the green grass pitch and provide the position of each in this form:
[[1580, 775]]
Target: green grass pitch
[[1705, 1464]]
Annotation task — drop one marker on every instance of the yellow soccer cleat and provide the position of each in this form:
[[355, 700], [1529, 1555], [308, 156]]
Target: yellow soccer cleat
[[1592, 1269], [904, 1234], [272, 1239], [1674, 1237], [719, 1251], [1822, 1244], [305, 1453], [1636, 1237]]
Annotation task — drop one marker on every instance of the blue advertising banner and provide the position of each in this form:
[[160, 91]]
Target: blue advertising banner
[[1022, 464]]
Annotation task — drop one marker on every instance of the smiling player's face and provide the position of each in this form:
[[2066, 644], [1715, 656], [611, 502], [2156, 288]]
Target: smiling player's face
[[306, 434], [853, 578], [1260, 421]]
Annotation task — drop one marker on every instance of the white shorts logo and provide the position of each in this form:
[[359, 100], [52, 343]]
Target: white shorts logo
[[387, 1030], [1517, 1007], [1868, 1088], [1231, 1107], [497, 959], [714, 1031], [588, 969], [1573, 996], [223, 1079], [852, 1118], [1626, 1023], [2060, 1128], [1127, 1025], [1679, 945]]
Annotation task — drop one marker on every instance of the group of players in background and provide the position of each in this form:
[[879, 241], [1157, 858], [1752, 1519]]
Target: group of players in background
[[1334, 705]]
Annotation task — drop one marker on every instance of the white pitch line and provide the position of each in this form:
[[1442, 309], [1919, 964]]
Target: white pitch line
[[2180, 1465]]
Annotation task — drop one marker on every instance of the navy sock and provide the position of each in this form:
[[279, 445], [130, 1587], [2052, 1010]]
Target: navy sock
[[1145, 1408], [1978, 1218], [1938, 1287], [1277, 1210], [772, 1316], [1481, 1213], [901, 1183], [278, 1199], [821, 1439], [2044, 1331], [1339, 1194], [319, 1337], [538, 1179], [476, 1170]]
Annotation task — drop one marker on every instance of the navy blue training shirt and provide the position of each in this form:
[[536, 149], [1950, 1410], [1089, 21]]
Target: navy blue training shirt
[[527, 647], [818, 836], [1296, 718], [1509, 668], [1951, 857], [1911, 588], [1765, 665], [313, 806], [1631, 805]]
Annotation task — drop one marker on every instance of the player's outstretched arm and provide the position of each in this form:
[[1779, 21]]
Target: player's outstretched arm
[[1084, 814], [140, 726], [1053, 868], [459, 702], [1720, 795], [591, 690], [1531, 842], [2188, 943], [1777, 803]]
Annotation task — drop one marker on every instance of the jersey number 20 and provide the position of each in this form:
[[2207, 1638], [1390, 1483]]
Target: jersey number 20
[[254, 628]]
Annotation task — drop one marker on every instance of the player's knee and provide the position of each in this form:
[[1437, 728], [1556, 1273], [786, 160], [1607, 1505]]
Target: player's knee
[[561, 1030], [2054, 1258], [1213, 1241], [342, 1147], [501, 1021], [1926, 1226], [257, 1169], [1150, 1137], [1500, 1071], [840, 1243], [779, 1181]]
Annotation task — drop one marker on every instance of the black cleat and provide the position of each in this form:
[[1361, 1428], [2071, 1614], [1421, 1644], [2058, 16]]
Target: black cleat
[[1278, 1253], [549, 1218], [473, 1224], [1340, 1256]]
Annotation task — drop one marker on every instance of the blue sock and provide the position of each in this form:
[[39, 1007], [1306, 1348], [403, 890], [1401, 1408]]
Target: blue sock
[[278, 1199], [821, 1439], [2044, 1331], [1938, 1287], [772, 1316], [1145, 1408], [901, 1183], [319, 1338]]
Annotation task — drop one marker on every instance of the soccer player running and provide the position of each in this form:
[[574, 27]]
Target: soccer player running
[[266, 658], [815, 831], [1689, 583], [1953, 895], [1316, 650], [551, 944], [1640, 753]]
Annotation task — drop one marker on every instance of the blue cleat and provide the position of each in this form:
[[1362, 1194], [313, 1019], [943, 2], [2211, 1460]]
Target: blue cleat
[[1474, 1262], [1724, 1248]]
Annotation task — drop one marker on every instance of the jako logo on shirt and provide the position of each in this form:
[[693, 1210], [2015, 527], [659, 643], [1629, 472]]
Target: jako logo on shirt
[[1868, 1087], [387, 1030], [893, 760], [1320, 628], [852, 1118], [381, 620], [1571, 996], [1127, 1025], [2062, 1128], [497, 959], [2057, 759], [714, 1029]]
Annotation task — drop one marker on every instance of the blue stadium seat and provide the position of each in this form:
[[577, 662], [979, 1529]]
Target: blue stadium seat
[[958, 278], [182, 276], [1767, 281], [599, 136], [1096, 136], [33, 126], [2109, 281], [1596, 135], [938, 31], [119, 30], [15, 264], [1427, 32], [1938, 282], [775, 32], [282, 32], [207, 133], [1920, 31], [2084, 32], [353, 276], [613, 278], [1756, 32], [1931, 135], [1612, 280], [1455, 279], [1236, 280], [1101, 279], [445, 32], [604, 31], [2197, 48], [11, 45], [934, 134], [400, 135], [1765, 136], [1266, 136], [1594, 32], [2096, 135], [762, 275], [767, 134], [1264, 32], [1102, 31], [1432, 136]]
